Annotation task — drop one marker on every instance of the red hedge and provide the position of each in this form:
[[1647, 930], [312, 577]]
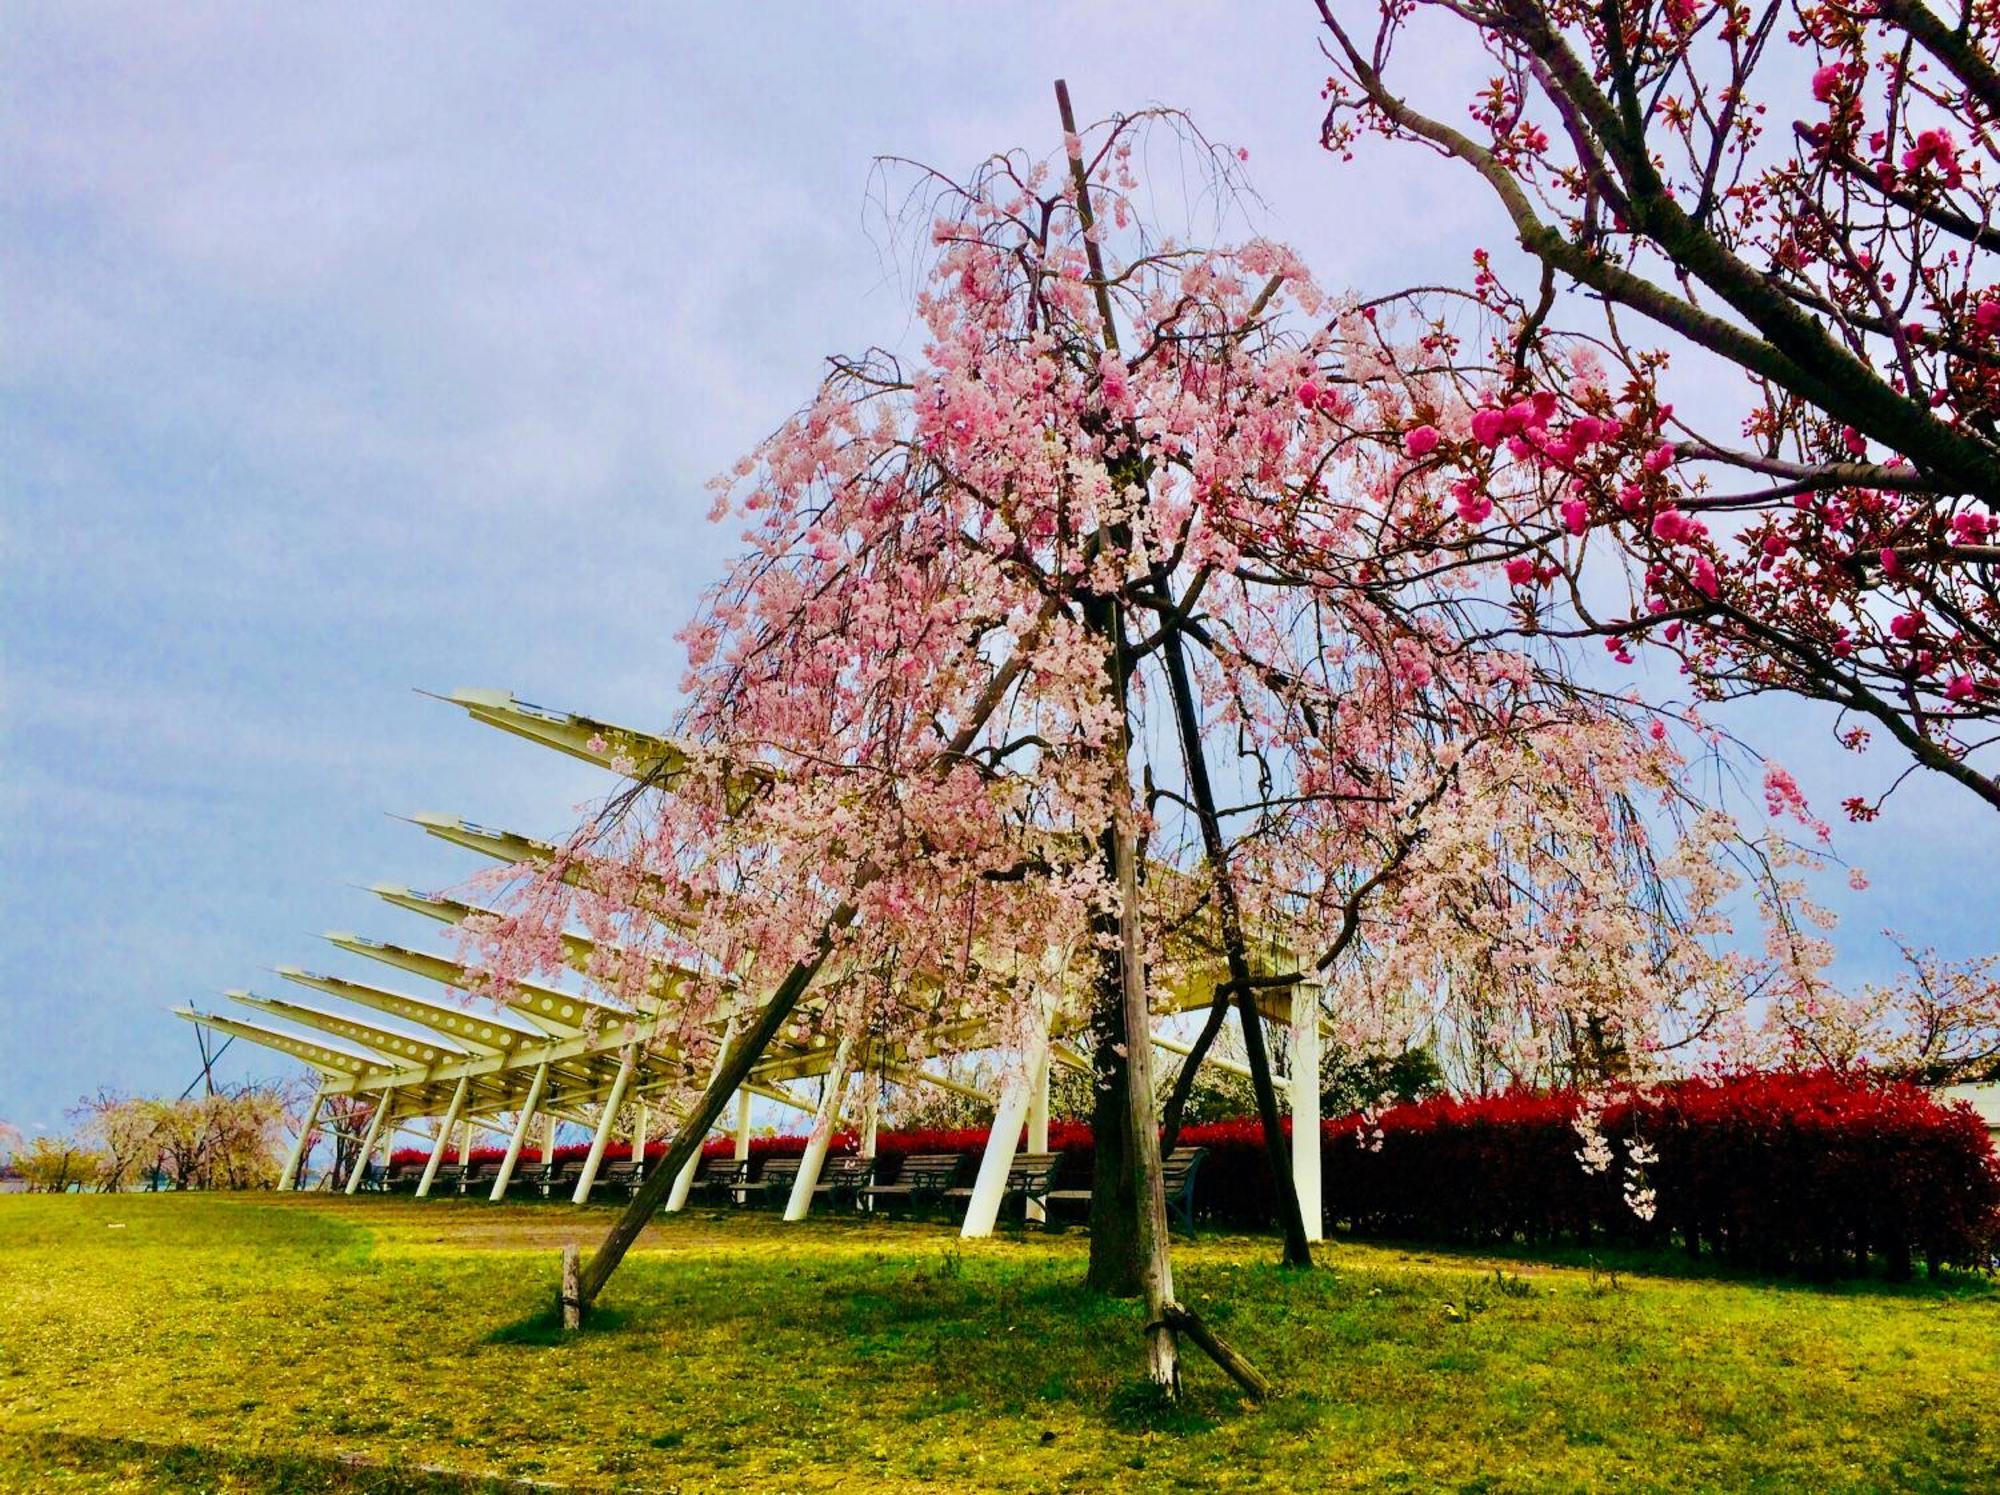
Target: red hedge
[[1778, 1171], [1809, 1172]]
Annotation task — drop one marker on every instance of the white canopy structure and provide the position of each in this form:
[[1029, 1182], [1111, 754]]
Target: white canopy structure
[[581, 1056]]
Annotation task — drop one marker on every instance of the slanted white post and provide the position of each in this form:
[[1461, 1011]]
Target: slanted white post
[[871, 1125], [639, 1133], [294, 1163], [1038, 1125], [368, 1139], [677, 1200], [465, 1145], [549, 1140], [742, 1125], [683, 1184], [1305, 1108], [605, 1122], [989, 1189], [444, 1136], [520, 1137], [827, 1118]]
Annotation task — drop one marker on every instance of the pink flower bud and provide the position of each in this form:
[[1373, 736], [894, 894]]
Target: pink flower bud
[[1421, 442]]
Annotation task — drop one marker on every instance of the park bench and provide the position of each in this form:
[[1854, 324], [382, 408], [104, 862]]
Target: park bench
[[721, 1173], [773, 1181], [561, 1178], [1177, 1171], [402, 1176], [1028, 1179], [479, 1176], [449, 1175], [922, 1180], [620, 1173], [843, 1177]]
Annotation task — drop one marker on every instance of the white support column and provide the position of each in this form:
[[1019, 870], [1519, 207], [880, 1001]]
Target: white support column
[[465, 1146], [549, 1141], [639, 1133], [605, 1123], [677, 1200], [520, 1137], [742, 1125], [871, 1124], [684, 1183], [368, 1137], [828, 1117], [1305, 1108], [295, 1163], [989, 1189], [1038, 1126], [444, 1136]]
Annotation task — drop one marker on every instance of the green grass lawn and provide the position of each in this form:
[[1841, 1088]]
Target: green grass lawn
[[231, 1343]]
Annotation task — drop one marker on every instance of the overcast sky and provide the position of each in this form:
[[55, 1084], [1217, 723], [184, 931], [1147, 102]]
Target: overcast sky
[[347, 350]]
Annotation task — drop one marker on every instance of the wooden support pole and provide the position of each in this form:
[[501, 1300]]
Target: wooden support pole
[[605, 1122], [572, 1288], [295, 1161], [516, 1142], [1256, 1385], [443, 1137], [375, 1120], [828, 1117]]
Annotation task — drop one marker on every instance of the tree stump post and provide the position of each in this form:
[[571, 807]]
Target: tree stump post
[[572, 1289]]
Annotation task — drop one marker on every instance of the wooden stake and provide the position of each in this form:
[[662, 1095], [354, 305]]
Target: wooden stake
[[572, 1290], [1256, 1385]]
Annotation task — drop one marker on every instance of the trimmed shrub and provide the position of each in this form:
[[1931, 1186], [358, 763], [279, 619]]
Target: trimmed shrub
[[1813, 1172]]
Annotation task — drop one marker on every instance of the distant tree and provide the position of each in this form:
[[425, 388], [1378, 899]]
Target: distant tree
[[1937, 1023], [232, 1139], [54, 1165], [1352, 1082], [123, 1131], [344, 1118]]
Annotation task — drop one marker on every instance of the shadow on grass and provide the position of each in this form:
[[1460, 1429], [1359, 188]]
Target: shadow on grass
[[1140, 1406], [1672, 1262], [47, 1457], [544, 1327]]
